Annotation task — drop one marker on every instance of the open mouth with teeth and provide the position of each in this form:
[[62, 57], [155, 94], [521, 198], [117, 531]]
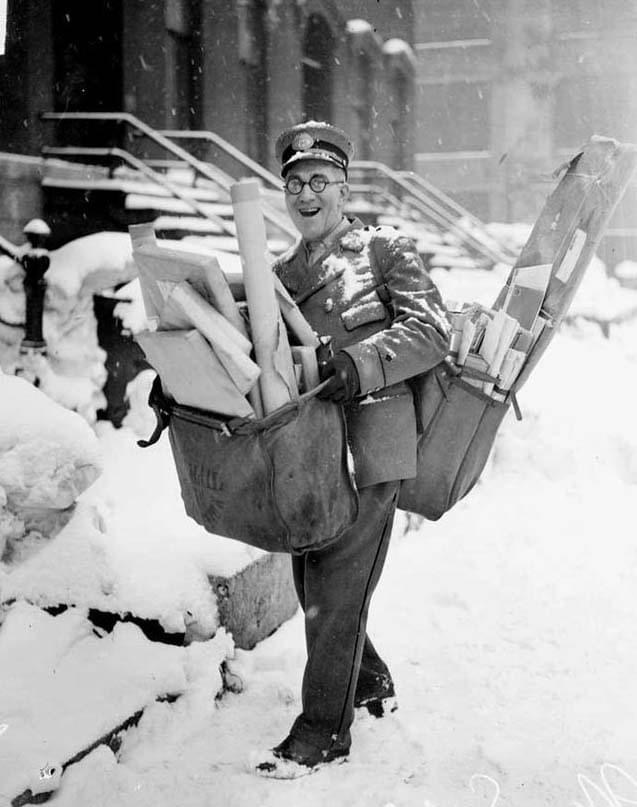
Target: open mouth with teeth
[[309, 212]]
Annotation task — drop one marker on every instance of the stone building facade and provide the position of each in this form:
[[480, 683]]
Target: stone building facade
[[485, 98], [242, 68], [509, 89]]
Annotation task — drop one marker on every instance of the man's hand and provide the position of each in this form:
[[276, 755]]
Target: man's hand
[[343, 382]]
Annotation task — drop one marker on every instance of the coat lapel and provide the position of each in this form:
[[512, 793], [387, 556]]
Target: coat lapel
[[301, 280]]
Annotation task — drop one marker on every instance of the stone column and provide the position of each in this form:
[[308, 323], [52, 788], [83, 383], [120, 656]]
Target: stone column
[[521, 118]]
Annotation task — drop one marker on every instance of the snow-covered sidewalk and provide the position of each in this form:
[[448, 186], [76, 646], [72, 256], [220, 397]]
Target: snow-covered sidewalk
[[508, 625]]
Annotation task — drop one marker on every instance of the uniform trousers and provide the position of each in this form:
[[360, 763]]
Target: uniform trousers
[[334, 586]]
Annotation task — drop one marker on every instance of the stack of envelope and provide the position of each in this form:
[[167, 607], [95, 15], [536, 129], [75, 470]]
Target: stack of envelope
[[492, 344]]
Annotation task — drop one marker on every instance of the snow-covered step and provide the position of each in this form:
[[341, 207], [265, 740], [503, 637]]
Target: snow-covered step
[[194, 224], [137, 201], [411, 228], [64, 689], [196, 230], [156, 191], [94, 183]]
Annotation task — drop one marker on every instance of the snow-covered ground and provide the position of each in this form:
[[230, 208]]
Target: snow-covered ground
[[508, 625]]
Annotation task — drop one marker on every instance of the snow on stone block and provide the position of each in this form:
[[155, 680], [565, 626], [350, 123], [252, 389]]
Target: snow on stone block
[[48, 455], [626, 270], [74, 372], [358, 26], [63, 689], [396, 46], [131, 548], [91, 263], [74, 569]]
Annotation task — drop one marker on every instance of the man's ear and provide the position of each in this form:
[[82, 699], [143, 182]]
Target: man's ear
[[344, 190]]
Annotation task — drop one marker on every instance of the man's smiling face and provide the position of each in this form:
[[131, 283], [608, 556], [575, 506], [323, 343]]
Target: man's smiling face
[[315, 214]]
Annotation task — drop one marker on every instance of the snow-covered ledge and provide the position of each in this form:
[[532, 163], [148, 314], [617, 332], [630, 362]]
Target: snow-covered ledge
[[400, 56], [48, 457], [363, 38]]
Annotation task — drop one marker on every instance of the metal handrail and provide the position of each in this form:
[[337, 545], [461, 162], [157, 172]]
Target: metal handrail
[[9, 249], [432, 210], [429, 201], [202, 168], [451, 203], [493, 249], [232, 151], [411, 176], [378, 191], [140, 165], [436, 212]]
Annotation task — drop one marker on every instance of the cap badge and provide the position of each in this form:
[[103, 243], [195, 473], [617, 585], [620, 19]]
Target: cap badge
[[302, 142]]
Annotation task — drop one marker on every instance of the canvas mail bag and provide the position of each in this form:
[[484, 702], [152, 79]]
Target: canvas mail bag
[[280, 483], [458, 426]]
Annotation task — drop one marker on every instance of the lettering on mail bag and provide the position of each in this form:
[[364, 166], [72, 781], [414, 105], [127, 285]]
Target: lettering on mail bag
[[280, 483]]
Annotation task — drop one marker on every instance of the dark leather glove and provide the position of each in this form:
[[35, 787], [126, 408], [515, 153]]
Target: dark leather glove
[[343, 383]]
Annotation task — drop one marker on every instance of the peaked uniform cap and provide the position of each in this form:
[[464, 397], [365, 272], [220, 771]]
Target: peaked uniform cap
[[313, 140]]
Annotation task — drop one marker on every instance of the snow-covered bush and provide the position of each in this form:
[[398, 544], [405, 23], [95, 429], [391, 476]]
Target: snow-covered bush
[[48, 457]]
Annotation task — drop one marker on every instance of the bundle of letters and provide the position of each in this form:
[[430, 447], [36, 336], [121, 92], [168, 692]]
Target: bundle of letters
[[491, 345]]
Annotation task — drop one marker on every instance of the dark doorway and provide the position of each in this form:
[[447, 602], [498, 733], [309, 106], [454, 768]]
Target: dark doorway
[[363, 104], [184, 64], [318, 59], [400, 120], [88, 66], [256, 66]]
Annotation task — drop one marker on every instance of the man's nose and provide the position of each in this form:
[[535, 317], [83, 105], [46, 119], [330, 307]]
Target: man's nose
[[306, 191]]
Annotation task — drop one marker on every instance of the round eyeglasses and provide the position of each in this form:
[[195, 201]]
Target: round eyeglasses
[[318, 183]]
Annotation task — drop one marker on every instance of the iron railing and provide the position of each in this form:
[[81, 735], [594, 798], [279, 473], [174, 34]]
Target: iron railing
[[399, 188], [437, 209], [139, 128], [147, 171]]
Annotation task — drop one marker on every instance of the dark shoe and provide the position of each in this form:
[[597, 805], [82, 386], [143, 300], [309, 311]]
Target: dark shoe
[[376, 694], [379, 707], [293, 758]]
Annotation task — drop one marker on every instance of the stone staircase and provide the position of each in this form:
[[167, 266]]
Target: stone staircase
[[113, 199], [186, 196]]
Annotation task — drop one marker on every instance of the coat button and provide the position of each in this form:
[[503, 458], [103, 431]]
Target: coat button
[[328, 305]]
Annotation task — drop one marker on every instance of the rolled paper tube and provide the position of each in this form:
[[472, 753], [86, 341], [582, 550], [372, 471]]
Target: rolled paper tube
[[277, 382], [222, 296], [189, 300], [141, 234], [306, 357], [229, 345], [293, 317], [254, 396]]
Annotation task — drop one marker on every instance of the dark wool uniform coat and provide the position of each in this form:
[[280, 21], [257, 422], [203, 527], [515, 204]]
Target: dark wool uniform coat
[[371, 293]]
